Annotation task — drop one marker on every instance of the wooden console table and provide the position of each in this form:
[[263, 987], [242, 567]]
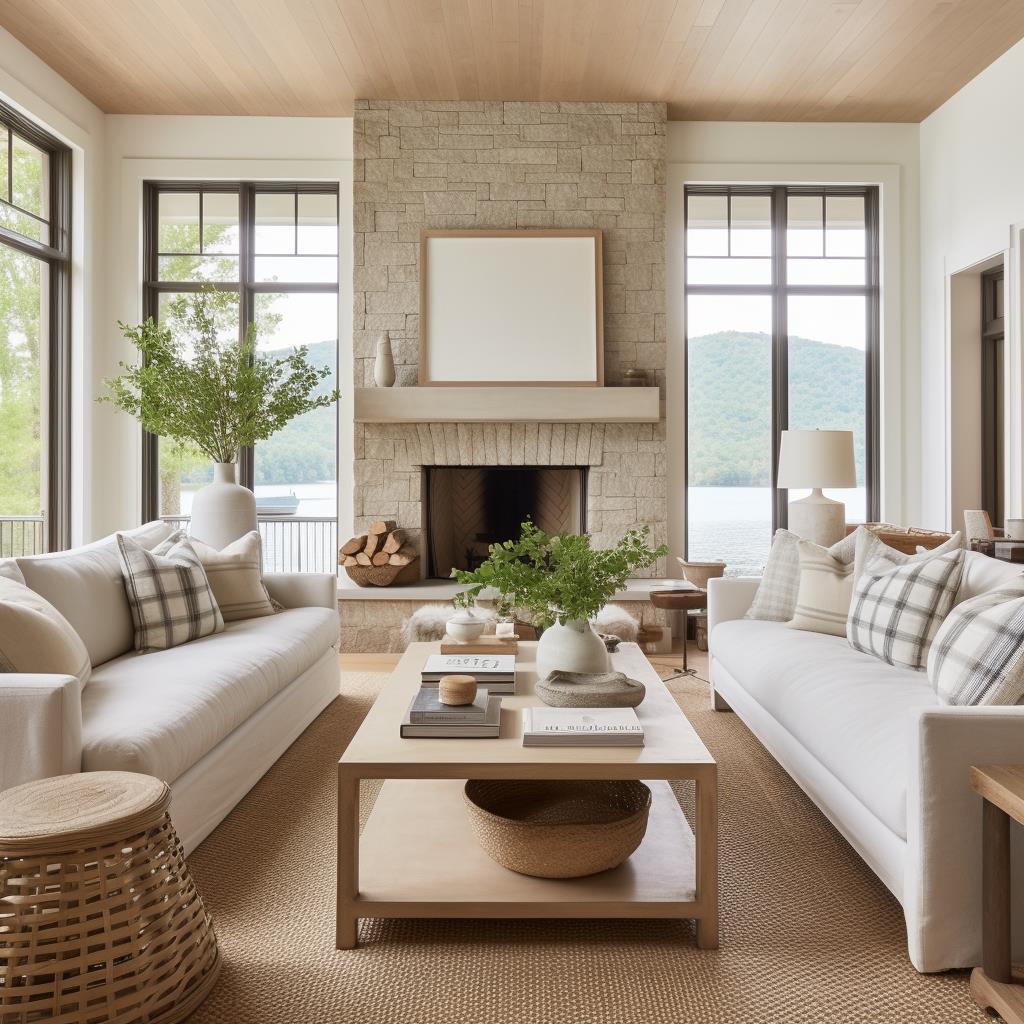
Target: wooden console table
[[995, 985]]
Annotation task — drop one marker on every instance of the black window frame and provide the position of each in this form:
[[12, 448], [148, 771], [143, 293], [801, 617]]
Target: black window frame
[[780, 290], [992, 399], [57, 255], [247, 287]]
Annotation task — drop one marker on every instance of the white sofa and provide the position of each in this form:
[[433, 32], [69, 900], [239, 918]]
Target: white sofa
[[209, 717], [871, 745]]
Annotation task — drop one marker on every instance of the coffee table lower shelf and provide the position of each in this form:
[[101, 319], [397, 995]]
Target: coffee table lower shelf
[[418, 858]]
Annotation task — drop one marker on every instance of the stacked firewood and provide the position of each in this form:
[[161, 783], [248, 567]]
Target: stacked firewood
[[382, 544]]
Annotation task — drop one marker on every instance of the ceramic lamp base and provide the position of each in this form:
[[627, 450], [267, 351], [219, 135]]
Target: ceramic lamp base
[[818, 518]]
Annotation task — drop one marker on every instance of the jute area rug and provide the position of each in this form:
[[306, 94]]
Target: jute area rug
[[808, 933]]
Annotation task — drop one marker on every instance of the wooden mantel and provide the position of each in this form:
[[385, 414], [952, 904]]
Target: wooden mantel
[[507, 405]]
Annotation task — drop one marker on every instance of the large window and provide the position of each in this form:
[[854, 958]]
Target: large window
[[271, 253], [35, 211], [782, 332]]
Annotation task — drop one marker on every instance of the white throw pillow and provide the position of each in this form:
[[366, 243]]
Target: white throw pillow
[[870, 546], [236, 577], [168, 592], [775, 600], [977, 657], [35, 637], [826, 585], [897, 609]]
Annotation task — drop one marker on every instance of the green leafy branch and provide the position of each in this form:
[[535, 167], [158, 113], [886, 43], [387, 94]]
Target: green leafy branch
[[557, 576], [198, 386]]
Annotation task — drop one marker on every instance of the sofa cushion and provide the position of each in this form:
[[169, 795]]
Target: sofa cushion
[[160, 712], [851, 711], [85, 585]]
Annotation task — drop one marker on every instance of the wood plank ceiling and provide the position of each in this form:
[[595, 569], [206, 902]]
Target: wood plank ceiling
[[750, 60]]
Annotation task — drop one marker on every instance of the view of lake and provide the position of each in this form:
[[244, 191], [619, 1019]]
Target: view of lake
[[734, 524]]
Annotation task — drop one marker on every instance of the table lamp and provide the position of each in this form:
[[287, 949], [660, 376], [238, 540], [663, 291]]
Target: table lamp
[[817, 459]]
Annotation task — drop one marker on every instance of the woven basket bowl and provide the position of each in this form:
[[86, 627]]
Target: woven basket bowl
[[698, 573], [384, 575], [558, 828]]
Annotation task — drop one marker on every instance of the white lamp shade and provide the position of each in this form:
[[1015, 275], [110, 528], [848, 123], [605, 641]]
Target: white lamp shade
[[817, 458]]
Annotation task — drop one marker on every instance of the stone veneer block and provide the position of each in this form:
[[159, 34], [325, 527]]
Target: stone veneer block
[[476, 164]]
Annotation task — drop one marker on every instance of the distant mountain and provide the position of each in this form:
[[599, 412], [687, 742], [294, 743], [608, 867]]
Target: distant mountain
[[729, 408], [303, 452]]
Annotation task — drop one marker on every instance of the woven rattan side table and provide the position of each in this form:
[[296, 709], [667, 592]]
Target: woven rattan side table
[[100, 920]]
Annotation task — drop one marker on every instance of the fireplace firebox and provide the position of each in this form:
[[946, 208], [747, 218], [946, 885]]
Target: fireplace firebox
[[468, 508]]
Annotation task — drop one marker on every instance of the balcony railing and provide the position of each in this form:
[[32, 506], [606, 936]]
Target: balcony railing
[[293, 543], [22, 535]]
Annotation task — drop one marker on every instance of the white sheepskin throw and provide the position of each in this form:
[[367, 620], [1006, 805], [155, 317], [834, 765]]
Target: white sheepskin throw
[[428, 622], [616, 620]]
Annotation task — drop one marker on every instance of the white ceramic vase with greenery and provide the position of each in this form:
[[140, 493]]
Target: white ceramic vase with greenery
[[562, 582], [201, 389]]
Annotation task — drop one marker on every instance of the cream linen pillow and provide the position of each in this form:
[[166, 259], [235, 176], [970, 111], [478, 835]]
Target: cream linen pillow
[[236, 577], [35, 637], [775, 600], [870, 547], [826, 588]]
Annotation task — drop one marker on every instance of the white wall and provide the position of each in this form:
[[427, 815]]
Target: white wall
[[883, 154], [972, 208], [208, 148], [43, 96]]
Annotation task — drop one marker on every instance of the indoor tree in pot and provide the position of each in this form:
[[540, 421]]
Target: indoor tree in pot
[[563, 582], [198, 386]]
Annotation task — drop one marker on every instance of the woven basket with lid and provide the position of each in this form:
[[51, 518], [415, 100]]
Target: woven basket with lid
[[99, 917]]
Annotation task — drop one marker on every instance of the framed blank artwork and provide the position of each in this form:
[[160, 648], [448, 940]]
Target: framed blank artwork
[[511, 307]]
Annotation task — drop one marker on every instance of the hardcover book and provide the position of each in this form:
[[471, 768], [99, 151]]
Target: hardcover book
[[427, 708], [582, 727], [489, 728]]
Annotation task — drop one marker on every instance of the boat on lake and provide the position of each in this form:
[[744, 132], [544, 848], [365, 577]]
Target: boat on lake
[[277, 504]]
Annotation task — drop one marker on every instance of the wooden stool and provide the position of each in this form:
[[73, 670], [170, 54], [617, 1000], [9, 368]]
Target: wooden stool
[[680, 600], [99, 917], [995, 985]]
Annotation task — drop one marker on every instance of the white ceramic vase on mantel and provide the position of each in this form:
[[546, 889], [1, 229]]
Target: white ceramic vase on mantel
[[224, 510], [384, 364], [571, 646]]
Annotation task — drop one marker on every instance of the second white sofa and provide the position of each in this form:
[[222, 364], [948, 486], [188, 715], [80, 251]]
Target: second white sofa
[[871, 745]]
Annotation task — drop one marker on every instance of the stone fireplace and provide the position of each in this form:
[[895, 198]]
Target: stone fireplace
[[468, 508]]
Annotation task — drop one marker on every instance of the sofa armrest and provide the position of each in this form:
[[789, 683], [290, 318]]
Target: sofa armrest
[[40, 727], [303, 589], [942, 888], [730, 598]]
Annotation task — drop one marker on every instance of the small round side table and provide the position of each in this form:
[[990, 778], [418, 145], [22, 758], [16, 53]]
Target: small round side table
[[99, 917], [680, 600]]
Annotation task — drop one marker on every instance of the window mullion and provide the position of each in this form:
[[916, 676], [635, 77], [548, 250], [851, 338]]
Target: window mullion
[[780, 351], [246, 302]]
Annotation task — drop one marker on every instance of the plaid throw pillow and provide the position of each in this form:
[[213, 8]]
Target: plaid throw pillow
[[897, 610], [977, 656], [168, 593]]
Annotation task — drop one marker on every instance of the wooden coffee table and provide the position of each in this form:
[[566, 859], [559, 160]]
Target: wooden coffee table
[[418, 858]]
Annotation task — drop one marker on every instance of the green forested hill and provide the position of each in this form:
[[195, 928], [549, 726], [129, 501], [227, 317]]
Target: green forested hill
[[730, 407], [303, 451]]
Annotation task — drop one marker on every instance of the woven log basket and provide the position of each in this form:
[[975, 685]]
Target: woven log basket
[[100, 920], [558, 828]]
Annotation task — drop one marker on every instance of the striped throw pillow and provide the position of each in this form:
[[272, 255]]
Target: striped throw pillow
[[236, 577], [168, 593], [775, 599], [977, 656], [897, 610], [826, 584]]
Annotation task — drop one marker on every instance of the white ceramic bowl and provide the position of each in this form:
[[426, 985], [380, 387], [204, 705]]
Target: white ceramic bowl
[[465, 626]]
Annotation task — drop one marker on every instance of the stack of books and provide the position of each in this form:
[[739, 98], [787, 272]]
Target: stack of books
[[495, 671], [582, 727], [427, 717]]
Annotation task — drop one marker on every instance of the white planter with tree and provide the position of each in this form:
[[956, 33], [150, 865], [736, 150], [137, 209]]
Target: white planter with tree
[[211, 394]]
